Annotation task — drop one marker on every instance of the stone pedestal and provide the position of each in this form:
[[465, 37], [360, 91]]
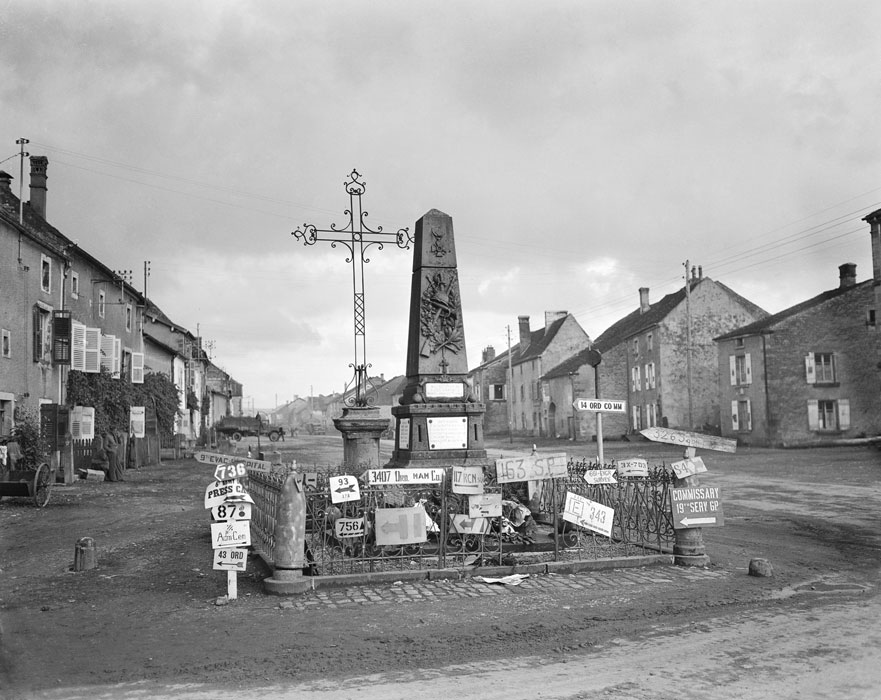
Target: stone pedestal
[[688, 547], [438, 434], [361, 428]]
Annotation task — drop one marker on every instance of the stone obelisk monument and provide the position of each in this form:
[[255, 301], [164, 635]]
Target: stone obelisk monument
[[438, 422]]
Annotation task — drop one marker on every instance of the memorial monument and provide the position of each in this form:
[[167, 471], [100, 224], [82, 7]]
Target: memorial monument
[[438, 423]]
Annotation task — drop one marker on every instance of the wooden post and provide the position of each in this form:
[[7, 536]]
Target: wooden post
[[232, 590]]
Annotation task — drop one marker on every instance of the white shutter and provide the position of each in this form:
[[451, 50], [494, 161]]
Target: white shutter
[[637, 378], [749, 414], [652, 365], [137, 368], [88, 423], [813, 415], [647, 384], [78, 347], [93, 350], [844, 414], [117, 357], [749, 368], [82, 423], [810, 369], [76, 422], [107, 344], [735, 424], [732, 366]]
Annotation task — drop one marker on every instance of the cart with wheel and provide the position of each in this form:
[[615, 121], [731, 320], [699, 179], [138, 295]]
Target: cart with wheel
[[20, 479]]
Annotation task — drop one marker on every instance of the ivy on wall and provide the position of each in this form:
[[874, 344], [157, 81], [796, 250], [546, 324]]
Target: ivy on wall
[[112, 398]]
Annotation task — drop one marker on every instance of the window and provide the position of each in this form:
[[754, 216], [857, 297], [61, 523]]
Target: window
[[651, 415], [634, 379], [820, 368], [61, 338], [741, 369], [636, 416], [497, 392], [102, 303], [128, 317], [5, 343], [74, 285], [636, 347], [85, 353], [739, 343], [45, 274], [826, 415], [522, 392], [42, 329], [137, 365], [650, 344], [870, 318], [741, 415], [650, 376]]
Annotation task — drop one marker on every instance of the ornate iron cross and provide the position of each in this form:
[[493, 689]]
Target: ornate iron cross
[[357, 237]]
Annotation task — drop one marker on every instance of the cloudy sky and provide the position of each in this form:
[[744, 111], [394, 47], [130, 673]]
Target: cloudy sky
[[584, 149]]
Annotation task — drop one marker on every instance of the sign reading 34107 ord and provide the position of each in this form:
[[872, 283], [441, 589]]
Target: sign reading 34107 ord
[[532, 468]]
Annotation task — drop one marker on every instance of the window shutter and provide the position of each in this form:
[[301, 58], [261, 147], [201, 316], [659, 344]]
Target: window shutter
[[88, 423], [734, 422], [37, 338], [647, 383], [93, 350], [810, 369], [107, 344], [749, 415], [638, 380], [813, 415], [844, 414], [117, 358], [653, 374], [137, 368], [732, 366], [749, 369], [78, 347], [61, 337]]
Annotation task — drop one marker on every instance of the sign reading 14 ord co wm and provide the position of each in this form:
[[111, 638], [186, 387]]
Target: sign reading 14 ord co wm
[[601, 405]]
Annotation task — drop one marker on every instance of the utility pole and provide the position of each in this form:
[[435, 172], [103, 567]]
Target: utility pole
[[146, 276], [688, 345], [511, 392]]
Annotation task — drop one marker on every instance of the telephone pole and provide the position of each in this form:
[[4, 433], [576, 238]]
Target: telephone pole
[[511, 392], [688, 345]]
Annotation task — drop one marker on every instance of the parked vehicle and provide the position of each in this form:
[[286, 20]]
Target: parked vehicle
[[237, 427]]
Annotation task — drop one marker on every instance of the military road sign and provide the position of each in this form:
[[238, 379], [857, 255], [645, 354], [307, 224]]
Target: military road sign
[[601, 405], [698, 506], [686, 439]]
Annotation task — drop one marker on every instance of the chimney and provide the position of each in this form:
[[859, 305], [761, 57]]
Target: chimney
[[489, 354], [847, 275], [643, 299], [874, 221], [700, 272], [525, 335], [38, 184], [5, 181], [551, 316]]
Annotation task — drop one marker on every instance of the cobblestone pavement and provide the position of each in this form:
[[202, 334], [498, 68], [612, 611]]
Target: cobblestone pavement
[[599, 585]]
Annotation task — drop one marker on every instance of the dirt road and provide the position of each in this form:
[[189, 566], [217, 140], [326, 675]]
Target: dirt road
[[144, 624]]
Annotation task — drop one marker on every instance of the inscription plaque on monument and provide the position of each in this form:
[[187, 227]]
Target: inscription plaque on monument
[[445, 390], [449, 433]]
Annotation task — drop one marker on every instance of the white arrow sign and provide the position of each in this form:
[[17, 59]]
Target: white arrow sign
[[690, 522]]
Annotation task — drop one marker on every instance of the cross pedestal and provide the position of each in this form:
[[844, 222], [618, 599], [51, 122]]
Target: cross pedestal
[[361, 427]]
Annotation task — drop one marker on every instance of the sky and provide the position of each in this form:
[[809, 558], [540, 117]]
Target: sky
[[583, 149]]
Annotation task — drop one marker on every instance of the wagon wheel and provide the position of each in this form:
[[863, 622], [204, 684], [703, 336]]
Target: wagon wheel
[[236, 436], [273, 436], [42, 485]]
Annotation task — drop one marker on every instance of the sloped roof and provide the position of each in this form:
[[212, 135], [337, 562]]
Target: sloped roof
[[573, 364], [539, 341], [766, 325]]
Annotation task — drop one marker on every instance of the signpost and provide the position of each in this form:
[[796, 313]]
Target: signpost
[[535, 467], [230, 506], [603, 405], [686, 439]]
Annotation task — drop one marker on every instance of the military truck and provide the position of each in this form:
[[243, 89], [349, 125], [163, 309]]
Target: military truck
[[237, 427]]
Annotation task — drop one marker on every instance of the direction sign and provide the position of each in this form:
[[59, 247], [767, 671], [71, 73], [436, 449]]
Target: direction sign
[[485, 505], [467, 480], [688, 467], [588, 514], [699, 506], [221, 491], [231, 559], [231, 510], [343, 488], [257, 465], [231, 533], [400, 525], [632, 467], [532, 468], [348, 527], [686, 439], [228, 472], [466, 525], [405, 476], [601, 405], [600, 476]]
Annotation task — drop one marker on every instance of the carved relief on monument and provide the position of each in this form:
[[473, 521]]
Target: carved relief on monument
[[440, 312]]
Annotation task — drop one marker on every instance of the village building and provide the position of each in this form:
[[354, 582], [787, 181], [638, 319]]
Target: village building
[[659, 359], [533, 412], [808, 375]]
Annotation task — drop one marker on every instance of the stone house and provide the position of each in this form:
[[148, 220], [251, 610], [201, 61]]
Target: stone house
[[808, 375], [660, 359], [533, 413]]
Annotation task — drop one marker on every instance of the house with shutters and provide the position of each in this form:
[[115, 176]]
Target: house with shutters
[[533, 411], [810, 374], [659, 360], [61, 309]]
